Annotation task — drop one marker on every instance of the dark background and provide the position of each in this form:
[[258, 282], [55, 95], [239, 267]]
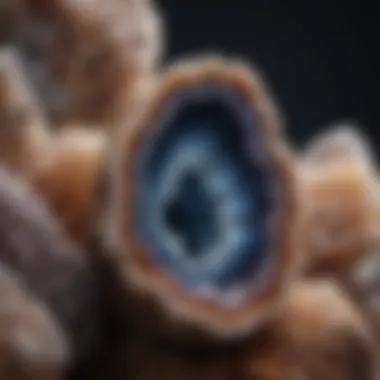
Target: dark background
[[319, 57]]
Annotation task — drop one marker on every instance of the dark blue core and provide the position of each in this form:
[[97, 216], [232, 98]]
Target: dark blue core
[[196, 225], [204, 199]]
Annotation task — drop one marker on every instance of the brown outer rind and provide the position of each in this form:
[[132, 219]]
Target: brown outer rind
[[341, 185], [23, 130], [319, 335], [160, 292], [32, 344], [68, 179], [101, 55], [55, 270]]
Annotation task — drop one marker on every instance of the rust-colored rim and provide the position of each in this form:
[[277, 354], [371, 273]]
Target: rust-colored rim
[[137, 264]]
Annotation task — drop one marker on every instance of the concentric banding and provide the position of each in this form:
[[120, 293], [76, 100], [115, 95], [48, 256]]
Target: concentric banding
[[208, 161]]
